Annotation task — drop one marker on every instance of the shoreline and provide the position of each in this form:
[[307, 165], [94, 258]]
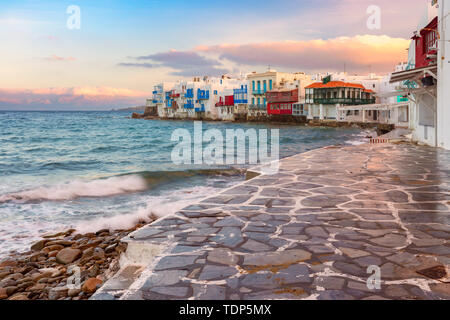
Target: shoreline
[[39, 274], [46, 271]]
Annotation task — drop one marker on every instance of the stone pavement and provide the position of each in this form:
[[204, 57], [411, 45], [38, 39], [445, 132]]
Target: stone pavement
[[309, 232]]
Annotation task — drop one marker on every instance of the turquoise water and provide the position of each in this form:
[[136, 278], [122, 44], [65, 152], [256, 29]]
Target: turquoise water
[[91, 170]]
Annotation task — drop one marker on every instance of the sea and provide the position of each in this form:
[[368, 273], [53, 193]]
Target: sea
[[96, 170]]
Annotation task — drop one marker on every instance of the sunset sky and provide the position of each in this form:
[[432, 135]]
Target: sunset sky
[[125, 47]]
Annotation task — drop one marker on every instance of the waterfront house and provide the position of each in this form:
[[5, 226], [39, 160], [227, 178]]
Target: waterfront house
[[423, 77], [261, 83], [240, 97], [280, 101], [323, 98]]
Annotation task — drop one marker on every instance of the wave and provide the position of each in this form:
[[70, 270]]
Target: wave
[[77, 189], [155, 208], [113, 186]]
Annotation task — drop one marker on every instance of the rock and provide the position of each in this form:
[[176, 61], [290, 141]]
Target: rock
[[3, 275], [25, 285], [10, 290], [3, 294], [53, 254], [38, 287], [55, 247], [99, 254], [64, 243], [110, 249], [19, 296], [8, 263], [91, 285], [38, 246], [73, 292], [68, 255], [57, 293]]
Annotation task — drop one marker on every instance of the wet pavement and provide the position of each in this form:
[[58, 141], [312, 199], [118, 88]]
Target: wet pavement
[[328, 222]]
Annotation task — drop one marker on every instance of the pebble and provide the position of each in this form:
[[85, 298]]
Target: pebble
[[40, 272]]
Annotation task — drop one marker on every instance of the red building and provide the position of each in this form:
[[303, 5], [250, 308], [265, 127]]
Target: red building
[[227, 101], [426, 44], [280, 101]]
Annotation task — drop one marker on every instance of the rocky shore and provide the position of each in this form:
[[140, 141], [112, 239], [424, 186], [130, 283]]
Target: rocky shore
[[63, 266]]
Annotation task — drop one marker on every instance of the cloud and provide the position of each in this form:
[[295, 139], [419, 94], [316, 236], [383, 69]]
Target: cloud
[[70, 98], [381, 53], [54, 57], [137, 65], [184, 63]]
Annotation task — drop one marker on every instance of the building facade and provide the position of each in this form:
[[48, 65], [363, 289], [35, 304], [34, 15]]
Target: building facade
[[324, 97]]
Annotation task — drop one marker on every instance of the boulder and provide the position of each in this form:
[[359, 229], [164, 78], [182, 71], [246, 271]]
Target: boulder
[[68, 255], [91, 285], [38, 246]]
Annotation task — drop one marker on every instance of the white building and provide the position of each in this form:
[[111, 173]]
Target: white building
[[261, 83], [443, 73], [421, 80]]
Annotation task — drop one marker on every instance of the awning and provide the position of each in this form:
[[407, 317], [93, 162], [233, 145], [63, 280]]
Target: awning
[[414, 74]]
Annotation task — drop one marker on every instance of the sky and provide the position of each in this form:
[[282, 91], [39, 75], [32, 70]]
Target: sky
[[123, 48]]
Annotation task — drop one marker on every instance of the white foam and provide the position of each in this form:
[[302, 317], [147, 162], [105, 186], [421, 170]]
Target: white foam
[[77, 189], [156, 207]]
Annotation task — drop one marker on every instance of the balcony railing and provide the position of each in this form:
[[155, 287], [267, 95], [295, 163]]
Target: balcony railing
[[240, 101], [189, 105], [259, 91], [189, 93], [200, 109], [345, 101], [203, 94], [257, 106]]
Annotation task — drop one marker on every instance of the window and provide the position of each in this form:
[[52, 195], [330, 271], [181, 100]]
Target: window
[[253, 84], [265, 86], [430, 42], [356, 112], [270, 84], [253, 100]]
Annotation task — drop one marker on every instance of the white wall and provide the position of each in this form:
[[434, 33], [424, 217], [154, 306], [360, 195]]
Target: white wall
[[443, 105]]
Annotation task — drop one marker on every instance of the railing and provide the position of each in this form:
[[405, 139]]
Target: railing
[[343, 101], [259, 91], [240, 101], [257, 106], [189, 93], [203, 94], [301, 113], [200, 109], [189, 105]]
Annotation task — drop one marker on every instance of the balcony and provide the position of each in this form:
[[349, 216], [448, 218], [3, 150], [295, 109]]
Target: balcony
[[257, 106], [344, 101], [203, 94], [240, 101], [259, 92], [282, 97], [189, 94], [200, 109], [189, 105]]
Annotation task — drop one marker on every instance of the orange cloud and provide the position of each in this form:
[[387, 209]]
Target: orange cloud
[[381, 53], [64, 98], [54, 57]]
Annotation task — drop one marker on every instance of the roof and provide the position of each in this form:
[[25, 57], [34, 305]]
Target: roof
[[414, 74], [335, 84]]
